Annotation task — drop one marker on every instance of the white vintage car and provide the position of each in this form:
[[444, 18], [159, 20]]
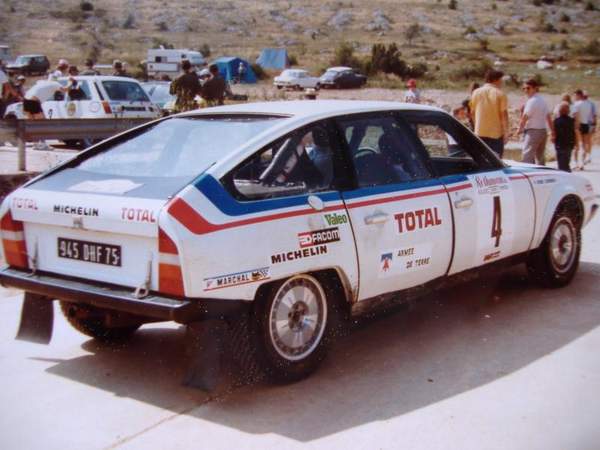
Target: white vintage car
[[296, 79], [282, 217], [96, 97]]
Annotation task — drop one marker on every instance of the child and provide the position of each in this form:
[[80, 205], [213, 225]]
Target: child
[[564, 140]]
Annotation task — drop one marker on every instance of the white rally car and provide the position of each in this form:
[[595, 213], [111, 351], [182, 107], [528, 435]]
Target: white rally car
[[296, 79], [97, 97], [281, 216]]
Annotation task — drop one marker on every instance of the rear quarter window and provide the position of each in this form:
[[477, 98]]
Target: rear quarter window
[[124, 91]]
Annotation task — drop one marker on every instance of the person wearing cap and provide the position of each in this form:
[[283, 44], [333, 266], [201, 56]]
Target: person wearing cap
[[89, 68], [489, 111], [535, 120], [12, 90], [61, 70], [186, 86], [203, 76], [412, 95], [119, 70]]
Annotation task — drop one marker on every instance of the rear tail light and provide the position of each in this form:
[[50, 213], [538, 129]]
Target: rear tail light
[[13, 242], [170, 280], [106, 107]]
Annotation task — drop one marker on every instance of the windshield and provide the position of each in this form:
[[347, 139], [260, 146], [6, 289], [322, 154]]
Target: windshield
[[22, 59], [125, 91], [179, 147], [160, 94]]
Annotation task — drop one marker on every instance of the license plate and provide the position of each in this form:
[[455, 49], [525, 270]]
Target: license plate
[[93, 252]]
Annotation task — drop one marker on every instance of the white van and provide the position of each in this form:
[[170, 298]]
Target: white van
[[168, 60]]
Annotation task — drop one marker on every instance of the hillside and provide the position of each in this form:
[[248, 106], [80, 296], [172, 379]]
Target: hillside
[[514, 32]]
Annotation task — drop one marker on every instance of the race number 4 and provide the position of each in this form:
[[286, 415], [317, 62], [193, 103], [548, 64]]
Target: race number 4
[[497, 221]]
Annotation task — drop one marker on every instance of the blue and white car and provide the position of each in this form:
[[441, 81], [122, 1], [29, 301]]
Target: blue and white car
[[283, 217]]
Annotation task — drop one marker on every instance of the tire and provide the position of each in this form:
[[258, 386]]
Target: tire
[[93, 326], [74, 143], [292, 350], [554, 263], [279, 87], [317, 86]]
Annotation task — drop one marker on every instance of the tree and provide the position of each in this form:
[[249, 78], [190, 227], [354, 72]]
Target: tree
[[412, 32]]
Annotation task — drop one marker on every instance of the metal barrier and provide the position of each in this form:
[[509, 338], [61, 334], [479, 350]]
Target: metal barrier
[[22, 131]]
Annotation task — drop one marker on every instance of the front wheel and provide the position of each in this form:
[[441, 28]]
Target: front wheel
[[295, 323], [556, 260]]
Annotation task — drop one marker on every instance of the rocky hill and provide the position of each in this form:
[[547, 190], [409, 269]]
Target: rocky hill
[[442, 33]]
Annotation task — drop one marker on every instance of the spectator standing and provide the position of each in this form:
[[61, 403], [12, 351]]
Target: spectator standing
[[119, 70], [534, 119], [89, 68], [241, 72], [213, 91], [73, 71], [12, 90], [587, 121], [489, 112], [61, 70], [185, 87], [564, 137], [412, 94], [3, 80]]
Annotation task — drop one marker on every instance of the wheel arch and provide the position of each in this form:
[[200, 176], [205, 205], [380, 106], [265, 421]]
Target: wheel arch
[[568, 200], [333, 277]]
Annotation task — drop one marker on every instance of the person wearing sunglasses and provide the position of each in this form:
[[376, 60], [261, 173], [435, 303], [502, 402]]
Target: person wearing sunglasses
[[535, 120]]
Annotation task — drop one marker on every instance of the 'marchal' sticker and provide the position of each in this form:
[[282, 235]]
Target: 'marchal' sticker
[[236, 279]]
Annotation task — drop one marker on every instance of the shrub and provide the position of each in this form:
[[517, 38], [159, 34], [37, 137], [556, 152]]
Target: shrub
[[452, 4], [412, 32], [86, 6], [344, 56], [205, 50], [564, 17], [417, 70], [293, 60], [484, 44], [386, 59], [129, 22], [590, 6], [470, 30], [470, 72], [259, 71], [592, 48]]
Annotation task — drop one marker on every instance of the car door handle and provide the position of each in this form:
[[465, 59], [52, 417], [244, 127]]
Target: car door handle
[[377, 218], [464, 202]]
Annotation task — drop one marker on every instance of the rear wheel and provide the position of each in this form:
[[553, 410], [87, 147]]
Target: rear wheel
[[294, 324], [91, 321], [555, 262]]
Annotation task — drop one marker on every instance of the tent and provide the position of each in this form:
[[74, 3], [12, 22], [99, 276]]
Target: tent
[[229, 66], [273, 58]]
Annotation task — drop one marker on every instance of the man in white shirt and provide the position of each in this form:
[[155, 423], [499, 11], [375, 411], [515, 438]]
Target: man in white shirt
[[587, 121], [536, 116]]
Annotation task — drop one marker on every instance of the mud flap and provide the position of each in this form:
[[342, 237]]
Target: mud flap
[[206, 342], [37, 319]]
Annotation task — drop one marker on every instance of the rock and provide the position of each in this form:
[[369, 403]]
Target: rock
[[380, 22], [542, 64], [341, 19]]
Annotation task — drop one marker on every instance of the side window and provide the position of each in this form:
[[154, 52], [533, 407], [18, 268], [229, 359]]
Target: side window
[[300, 163], [452, 149], [383, 151]]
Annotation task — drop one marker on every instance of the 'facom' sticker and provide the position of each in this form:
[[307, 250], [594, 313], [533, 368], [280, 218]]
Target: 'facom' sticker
[[405, 259]]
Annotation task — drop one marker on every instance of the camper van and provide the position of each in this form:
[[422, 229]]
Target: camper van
[[4, 53], [168, 60]]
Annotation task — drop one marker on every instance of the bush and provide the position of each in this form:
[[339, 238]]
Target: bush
[[259, 71], [293, 60], [385, 59], [412, 32], [86, 6], [470, 30], [129, 22], [564, 17], [452, 4], [417, 70], [344, 56], [592, 48], [590, 6], [470, 72], [205, 50]]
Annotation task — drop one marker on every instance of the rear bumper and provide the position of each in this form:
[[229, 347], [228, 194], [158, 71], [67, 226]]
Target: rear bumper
[[56, 287]]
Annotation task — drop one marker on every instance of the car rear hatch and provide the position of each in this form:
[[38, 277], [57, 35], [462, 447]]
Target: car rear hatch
[[88, 231], [126, 98]]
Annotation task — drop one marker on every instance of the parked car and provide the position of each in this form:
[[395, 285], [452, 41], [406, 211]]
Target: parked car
[[159, 94], [296, 79], [342, 78], [281, 217], [97, 97], [30, 65]]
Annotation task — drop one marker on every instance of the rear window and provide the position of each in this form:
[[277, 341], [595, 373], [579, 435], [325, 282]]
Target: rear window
[[178, 147], [124, 91]]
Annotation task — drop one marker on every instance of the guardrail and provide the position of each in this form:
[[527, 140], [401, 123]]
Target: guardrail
[[22, 131]]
